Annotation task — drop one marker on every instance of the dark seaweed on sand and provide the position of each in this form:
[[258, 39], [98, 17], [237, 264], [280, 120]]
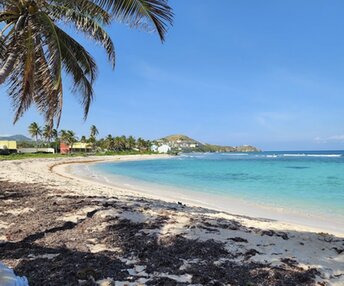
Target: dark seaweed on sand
[[35, 235]]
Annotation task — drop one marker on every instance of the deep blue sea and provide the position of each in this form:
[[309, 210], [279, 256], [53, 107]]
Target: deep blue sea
[[303, 181]]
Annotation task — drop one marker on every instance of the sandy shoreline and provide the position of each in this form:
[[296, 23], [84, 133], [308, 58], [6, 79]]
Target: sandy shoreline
[[246, 240], [284, 220]]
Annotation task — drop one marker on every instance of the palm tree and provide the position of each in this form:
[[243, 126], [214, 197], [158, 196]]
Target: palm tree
[[109, 142], [131, 142], [143, 145], [93, 134], [124, 142], [118, 143], [94, 131], [55, 137], [63, 136], [69, 138], [49, 133], [35, 50], [35, 131]]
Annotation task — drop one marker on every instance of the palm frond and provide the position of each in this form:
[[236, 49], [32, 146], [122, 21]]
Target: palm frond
[[74, 63], [87, 25], [86, 7], [151, 15], [34, 51], [47, 98], [22, 92]]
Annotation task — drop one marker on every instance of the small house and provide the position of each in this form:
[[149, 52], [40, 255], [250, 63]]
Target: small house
[[77, 147], [164, 149], [7, 147], [154, 148]]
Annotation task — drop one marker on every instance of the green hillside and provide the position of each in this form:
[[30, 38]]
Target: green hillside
[[172, 140], [21, 138], [179, 137]]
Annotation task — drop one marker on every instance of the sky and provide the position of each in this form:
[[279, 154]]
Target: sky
[[266, 73]]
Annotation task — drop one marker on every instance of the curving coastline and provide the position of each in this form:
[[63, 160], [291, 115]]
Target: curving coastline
[[56, 197], [284, 218]]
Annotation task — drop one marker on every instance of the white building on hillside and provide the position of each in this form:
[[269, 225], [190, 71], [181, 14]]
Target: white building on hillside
[[154, 148], [163, 149]]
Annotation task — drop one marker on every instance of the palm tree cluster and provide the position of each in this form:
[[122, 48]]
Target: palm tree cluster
[[35, 49], [51, 138], [47, 133], [123, 143], [68, 137]]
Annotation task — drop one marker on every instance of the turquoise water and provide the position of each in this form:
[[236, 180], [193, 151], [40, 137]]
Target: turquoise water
[[309, 182]]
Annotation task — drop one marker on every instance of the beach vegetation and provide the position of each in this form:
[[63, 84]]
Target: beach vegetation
[[49, 137], [21, 156], [35, 131], [93, 131], [49, 133], [93, 135]]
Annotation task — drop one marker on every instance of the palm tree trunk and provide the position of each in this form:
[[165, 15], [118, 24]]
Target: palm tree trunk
[[7, 67]]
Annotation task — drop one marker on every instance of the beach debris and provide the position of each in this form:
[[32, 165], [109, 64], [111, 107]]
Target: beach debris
[[209, 229], [48, 256], [283, 235], [326, 237], [181, 204], [88, 273], [106, 282], [290, 262], [238, 239], [129, 243], [162, 281], [220, 224], [339, 251], [252, 252]]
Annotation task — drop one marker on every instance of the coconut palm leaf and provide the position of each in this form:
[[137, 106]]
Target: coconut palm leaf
[[151, 15], [88, 25]]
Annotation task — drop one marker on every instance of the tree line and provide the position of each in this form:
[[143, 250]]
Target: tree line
[[47, 136]]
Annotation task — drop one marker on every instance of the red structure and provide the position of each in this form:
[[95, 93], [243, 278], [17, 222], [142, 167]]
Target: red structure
[[64, 148]]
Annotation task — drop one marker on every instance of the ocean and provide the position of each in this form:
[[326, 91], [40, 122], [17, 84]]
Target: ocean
[[303, 182]]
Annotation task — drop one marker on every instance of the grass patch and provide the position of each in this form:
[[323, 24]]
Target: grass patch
[[31, 156], [49, 156]]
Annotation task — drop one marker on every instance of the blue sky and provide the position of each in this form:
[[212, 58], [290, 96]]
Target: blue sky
[[267, 73]]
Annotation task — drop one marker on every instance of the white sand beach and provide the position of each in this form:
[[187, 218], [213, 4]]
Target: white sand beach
[[273, 243]]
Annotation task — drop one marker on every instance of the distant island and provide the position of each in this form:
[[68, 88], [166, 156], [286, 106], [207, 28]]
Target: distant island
[[183, 143]]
